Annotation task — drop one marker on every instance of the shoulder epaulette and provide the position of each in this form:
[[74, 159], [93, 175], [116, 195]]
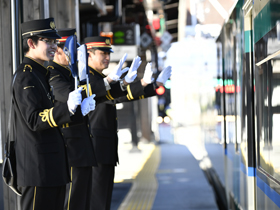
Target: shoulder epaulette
[[27, 67]]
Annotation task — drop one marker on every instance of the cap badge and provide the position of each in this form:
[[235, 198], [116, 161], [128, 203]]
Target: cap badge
[[52, 25], [107, 41]]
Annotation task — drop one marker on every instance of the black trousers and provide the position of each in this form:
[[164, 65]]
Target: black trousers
[[42, 198], [102, 186], [78, 192]]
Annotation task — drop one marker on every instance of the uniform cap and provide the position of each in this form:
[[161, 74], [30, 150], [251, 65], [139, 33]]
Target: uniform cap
[[99, 42], [42, 27], [65, 33]]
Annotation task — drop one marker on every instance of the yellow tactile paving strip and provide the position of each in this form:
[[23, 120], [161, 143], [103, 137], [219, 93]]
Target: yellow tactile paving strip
[[144, 189]]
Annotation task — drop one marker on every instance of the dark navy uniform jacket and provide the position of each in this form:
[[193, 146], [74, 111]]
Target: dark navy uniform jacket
[[79, 141], [80, 149], [40, 148], [103, 120]]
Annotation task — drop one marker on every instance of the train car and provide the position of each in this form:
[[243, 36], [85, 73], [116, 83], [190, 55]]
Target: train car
[[249, 43]]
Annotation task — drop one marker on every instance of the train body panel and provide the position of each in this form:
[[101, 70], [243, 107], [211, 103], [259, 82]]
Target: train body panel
[[267, 77], [250, 104]]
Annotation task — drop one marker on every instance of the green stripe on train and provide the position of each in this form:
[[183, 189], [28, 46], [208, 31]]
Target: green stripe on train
[[248, 41], [266, 19]]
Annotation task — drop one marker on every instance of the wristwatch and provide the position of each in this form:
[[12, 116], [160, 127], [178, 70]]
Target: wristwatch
[[123, 86]]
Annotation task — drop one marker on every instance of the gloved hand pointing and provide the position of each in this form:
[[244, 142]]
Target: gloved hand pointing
[[132, 72], [124, 70], [117, 72], [148, 74], [164, 75], [74, 99], [88, 105]]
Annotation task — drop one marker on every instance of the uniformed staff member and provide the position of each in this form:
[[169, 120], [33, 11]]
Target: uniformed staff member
[[42, 168], [103, 120], [80, 150]]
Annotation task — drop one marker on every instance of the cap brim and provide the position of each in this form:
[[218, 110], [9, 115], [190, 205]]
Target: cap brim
[[104, 49], [50, 35]]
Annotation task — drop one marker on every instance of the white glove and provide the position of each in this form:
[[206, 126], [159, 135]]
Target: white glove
[[148, 74], [125, 70], [132, 72], [117, 72], [74, 99], [88, 105], [164, 75]]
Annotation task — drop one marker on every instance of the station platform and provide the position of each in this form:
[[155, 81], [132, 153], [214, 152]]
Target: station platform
[[160, 176]]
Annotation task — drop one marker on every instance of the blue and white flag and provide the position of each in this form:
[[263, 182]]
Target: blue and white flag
[[83, 62], [70, 50]]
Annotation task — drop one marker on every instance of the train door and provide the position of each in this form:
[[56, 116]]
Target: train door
[[267, 97], [230, 108], [247, 145], [233, 81], [238, 195]]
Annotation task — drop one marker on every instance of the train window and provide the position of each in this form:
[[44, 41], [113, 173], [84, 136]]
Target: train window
[[229, 82], [268, 103]]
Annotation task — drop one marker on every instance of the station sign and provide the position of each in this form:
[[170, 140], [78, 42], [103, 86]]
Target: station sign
[[126, 34]]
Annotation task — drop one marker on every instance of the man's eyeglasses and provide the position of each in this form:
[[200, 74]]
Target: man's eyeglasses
[[49, 41]]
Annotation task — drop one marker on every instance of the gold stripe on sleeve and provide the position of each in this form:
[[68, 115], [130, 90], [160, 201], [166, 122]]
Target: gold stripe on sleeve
[[70, 189], [51, 116], [45, 116], [86, 89], [129, 92], [90, 92], [34, 197], [108, 98], [109, 95], [48, 119]]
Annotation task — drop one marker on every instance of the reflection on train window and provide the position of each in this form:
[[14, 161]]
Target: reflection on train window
[[269, 117]]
